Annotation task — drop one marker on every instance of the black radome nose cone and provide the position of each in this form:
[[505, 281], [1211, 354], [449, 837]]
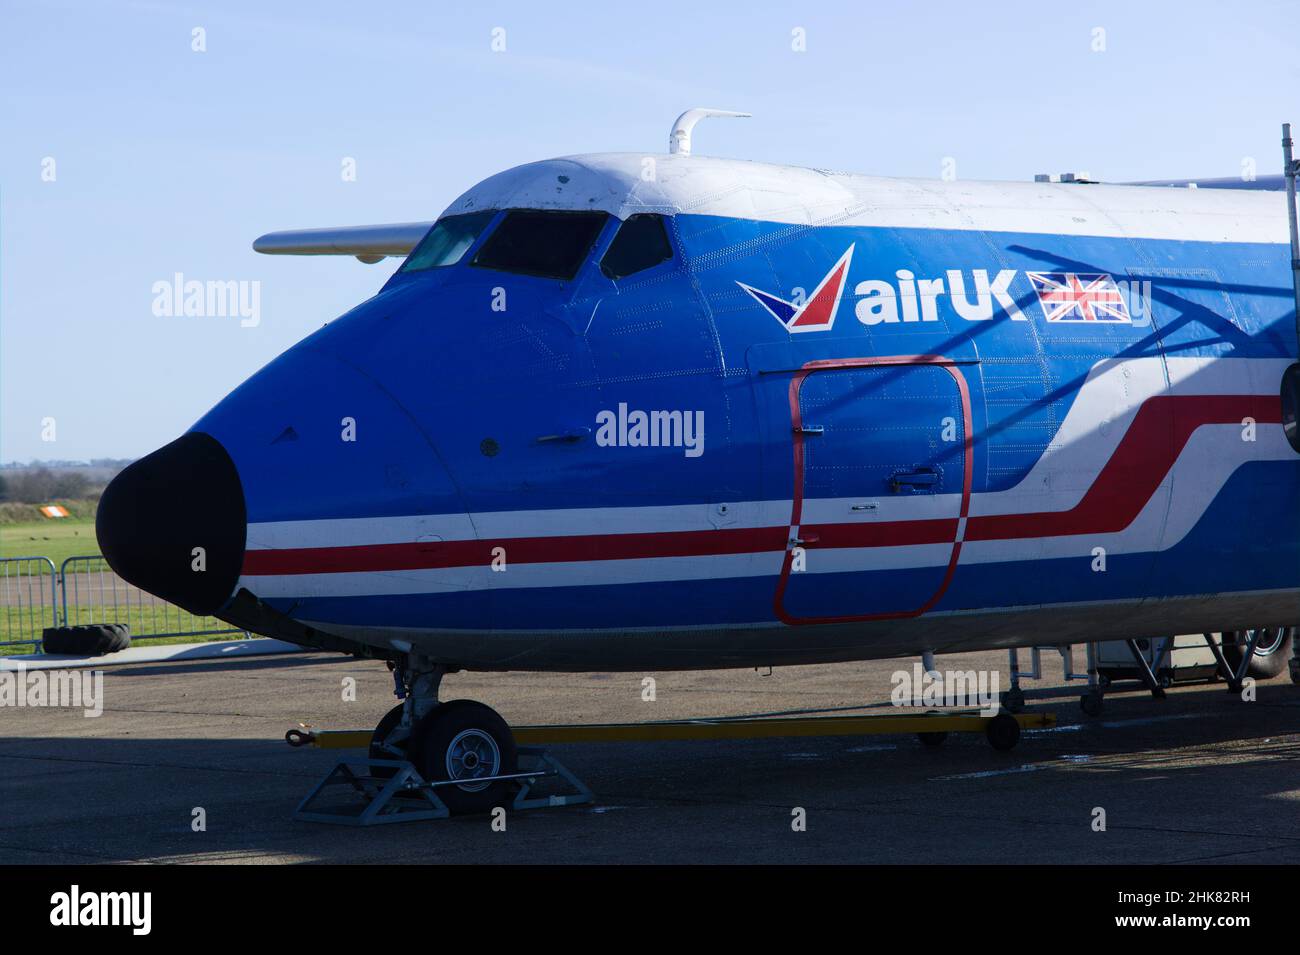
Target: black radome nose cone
[[154, 516]]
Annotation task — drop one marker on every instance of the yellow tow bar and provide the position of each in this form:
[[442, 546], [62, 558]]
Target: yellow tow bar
[[931, 727]]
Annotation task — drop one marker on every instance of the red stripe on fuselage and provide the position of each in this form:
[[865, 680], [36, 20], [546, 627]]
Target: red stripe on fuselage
[[519, 550], [1153, 442]]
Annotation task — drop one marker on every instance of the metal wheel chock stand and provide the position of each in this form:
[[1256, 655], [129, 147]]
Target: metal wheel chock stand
[[405, 796]]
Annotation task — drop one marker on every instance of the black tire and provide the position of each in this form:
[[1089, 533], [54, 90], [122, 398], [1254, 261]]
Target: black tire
[[1271, 652], [461, 740], [935, 738], [87, 640], [1091, 704], [1003, 732]]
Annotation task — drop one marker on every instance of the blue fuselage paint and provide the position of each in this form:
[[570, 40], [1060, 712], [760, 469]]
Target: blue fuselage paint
[[473, 392]]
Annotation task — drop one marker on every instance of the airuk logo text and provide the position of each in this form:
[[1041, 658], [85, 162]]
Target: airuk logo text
[[975, 295]]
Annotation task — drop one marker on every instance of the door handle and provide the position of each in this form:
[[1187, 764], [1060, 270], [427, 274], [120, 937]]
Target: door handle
[[567, 437], [801, 541], [917, 479]]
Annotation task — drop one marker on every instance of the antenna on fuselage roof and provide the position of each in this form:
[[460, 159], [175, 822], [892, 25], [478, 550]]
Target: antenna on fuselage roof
[[679, 140]]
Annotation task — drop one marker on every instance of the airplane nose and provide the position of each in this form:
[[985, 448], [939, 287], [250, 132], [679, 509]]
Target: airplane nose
[[174, 522]]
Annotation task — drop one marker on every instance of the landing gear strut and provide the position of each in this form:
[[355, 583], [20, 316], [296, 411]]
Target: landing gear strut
[[1091, 701], [416, 682], [460, 739]]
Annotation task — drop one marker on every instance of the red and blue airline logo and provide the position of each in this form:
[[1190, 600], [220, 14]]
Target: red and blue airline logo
[[817, 312]]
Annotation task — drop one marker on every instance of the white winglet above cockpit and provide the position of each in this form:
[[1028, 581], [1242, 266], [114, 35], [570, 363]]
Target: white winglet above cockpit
[[679, 140], [369, 243]]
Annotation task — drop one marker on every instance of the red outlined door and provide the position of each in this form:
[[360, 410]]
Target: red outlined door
[[882, 479]]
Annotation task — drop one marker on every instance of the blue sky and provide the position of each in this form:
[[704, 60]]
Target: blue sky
[[169, 160]]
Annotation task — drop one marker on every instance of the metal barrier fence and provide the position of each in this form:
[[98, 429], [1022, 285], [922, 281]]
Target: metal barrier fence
[[85, 590], [28, 591], [92, 593]]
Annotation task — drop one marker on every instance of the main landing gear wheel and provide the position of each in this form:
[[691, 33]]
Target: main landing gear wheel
[[1271, 650], [1091, 703], [464, 740]]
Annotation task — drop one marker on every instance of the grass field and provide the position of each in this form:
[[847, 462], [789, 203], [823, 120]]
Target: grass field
[[55, 539]]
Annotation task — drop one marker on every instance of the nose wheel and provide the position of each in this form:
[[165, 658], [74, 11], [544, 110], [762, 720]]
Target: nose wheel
[[461, 741], [467, 741]]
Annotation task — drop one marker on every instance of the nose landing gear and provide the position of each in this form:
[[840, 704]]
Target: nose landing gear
[[457, 740]]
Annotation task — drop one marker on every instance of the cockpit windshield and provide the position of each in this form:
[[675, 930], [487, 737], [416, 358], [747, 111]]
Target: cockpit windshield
[[547, 244], [447, 241]]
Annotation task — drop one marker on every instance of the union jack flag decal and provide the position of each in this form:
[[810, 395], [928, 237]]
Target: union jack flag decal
[[1080, 297]]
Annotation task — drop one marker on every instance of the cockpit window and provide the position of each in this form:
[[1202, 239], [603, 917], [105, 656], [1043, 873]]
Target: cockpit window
[[447, 241], [552, 245], [641, 242]]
